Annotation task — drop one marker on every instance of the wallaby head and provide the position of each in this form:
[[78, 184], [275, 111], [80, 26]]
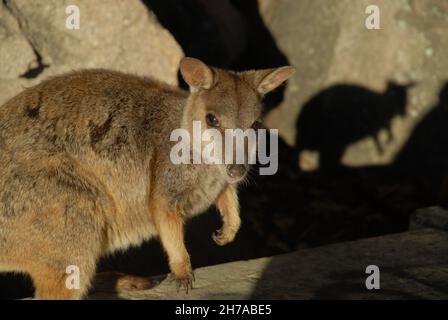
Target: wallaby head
[[398, 94], [221, 99]]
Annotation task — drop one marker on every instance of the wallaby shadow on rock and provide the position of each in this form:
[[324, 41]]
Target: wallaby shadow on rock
[[343, 114]]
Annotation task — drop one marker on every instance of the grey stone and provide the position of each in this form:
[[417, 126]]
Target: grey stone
[[13, 45], [118, 35]]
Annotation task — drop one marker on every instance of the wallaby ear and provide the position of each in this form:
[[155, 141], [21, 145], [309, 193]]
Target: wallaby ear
[[269, 79], [196, 73]]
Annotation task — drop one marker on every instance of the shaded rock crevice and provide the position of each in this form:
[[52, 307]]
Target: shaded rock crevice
[[37, 66]]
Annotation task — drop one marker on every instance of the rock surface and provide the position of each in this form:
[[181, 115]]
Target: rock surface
[[329, 44], [431, 217], [413, 265], [119, 35]]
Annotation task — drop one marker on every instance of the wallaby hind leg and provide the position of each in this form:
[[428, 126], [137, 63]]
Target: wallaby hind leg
[[55, 284], [58, 245], [69, 264]]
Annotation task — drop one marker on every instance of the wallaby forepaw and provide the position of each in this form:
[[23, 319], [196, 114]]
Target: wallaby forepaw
[[222, 238], [183, 275], [184, 282]]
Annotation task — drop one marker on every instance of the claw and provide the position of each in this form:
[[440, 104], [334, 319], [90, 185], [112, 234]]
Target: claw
[[185, 282], [219, 238]]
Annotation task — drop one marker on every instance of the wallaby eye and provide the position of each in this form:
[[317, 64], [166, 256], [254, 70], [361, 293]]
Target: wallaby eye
[[211, 119], [257, 125]]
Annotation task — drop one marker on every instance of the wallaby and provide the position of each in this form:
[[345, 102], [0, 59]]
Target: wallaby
[[85, 168]]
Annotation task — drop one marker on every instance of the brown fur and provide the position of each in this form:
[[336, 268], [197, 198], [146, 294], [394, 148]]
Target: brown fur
[[85, 169]]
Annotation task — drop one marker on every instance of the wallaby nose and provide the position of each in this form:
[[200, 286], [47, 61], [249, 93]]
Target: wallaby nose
[[236, 171]]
